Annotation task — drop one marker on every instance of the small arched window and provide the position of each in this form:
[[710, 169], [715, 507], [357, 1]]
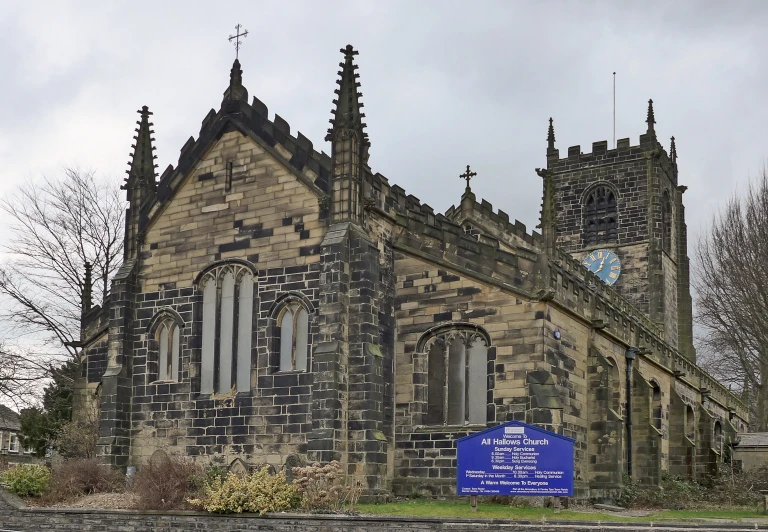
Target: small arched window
[[666, 223], [228, 291], [600, 216], [457, 366], [293, 322], [168, 338]]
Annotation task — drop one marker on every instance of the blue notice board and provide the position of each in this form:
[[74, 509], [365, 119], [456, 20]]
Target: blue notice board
[[515, 458]]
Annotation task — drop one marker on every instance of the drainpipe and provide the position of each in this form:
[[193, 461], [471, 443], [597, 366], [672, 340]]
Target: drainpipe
[[630, 355]]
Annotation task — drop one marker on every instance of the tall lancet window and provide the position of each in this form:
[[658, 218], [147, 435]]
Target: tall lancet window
[[293, 321], [457, 381], [164, 360], [168, 343], [227, 328], [600, 216]]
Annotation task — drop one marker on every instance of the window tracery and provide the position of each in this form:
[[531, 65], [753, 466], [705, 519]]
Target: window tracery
[[457, 377], [293, 323], [227, 328]]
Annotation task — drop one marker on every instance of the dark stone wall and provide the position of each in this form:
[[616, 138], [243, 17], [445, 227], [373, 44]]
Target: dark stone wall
[[267, 424]]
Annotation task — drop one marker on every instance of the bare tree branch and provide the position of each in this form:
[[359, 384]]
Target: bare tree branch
[[59, 225], [732, 302]]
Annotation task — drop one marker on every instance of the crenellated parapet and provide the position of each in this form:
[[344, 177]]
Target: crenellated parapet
[[493, 223]]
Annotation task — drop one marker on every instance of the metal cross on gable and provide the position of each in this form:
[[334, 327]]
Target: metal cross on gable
[[236, 38], [468, 175]]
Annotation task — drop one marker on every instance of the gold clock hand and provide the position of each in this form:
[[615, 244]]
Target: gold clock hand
[[601, 265]]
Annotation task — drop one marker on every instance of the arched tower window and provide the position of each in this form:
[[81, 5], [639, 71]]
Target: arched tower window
[[227, 328], [666, 223], [600, 216], [457, 361]]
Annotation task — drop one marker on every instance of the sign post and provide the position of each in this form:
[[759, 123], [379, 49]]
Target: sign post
[[515, 458]]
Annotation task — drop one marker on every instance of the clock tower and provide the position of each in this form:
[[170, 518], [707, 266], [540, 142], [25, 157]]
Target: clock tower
[[624, 204]]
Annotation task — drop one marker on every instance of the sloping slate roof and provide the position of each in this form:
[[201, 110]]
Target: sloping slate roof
[[9, 419], [753, 439]]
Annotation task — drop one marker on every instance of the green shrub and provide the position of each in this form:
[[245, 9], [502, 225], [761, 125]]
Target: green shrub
[[259, 492], [27, 480]]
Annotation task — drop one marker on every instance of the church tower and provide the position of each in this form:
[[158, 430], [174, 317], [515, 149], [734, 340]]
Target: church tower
[[624, 205]]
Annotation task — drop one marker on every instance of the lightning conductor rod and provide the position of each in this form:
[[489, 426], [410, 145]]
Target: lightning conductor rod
[[614, 110]]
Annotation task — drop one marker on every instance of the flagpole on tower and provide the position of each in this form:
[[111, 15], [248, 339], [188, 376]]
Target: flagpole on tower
[[614, 110]]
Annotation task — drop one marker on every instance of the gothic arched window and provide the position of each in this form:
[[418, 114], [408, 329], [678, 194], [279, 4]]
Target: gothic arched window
[[457, 366], [164, 334], [666, 223], [293, 322], [227, 328], [600, 216], [167, 337]]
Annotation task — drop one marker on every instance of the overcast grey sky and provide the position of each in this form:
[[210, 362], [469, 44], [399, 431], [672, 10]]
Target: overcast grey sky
[[445, 84]]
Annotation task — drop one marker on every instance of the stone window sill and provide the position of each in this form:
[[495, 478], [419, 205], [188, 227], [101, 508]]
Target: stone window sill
[[290, 372], [164, 382]]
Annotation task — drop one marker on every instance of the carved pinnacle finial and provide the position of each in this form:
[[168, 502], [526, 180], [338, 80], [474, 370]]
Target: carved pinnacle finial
[[673, 150], [551, 136], [87, 288], [347, 117], [650, 119], [141, 173], [468, 175]]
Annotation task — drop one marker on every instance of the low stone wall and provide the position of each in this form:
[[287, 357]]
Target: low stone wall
[[16, 517]]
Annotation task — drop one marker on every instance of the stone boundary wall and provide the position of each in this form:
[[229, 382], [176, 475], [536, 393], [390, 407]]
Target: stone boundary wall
[[15, 517]]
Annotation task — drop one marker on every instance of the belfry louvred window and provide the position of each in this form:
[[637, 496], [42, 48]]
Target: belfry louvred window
[[227, 329], [457, 368], [600, 216]]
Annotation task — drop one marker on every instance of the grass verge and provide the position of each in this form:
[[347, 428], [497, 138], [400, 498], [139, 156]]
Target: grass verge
[[430, 508]]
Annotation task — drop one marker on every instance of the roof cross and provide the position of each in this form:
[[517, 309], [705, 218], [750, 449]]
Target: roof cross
[[468, 175], [236, 38]]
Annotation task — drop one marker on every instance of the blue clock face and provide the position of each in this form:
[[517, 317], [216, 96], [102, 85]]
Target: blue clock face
[[605, 264]]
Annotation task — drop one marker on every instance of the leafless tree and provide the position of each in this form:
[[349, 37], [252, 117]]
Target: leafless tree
[[57, 226], [732, 301], [20, 374]]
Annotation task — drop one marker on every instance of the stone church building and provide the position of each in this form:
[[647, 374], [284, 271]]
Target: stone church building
[[277, 304]]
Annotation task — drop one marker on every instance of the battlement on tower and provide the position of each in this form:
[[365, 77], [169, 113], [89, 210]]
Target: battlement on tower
[[601, 154]]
